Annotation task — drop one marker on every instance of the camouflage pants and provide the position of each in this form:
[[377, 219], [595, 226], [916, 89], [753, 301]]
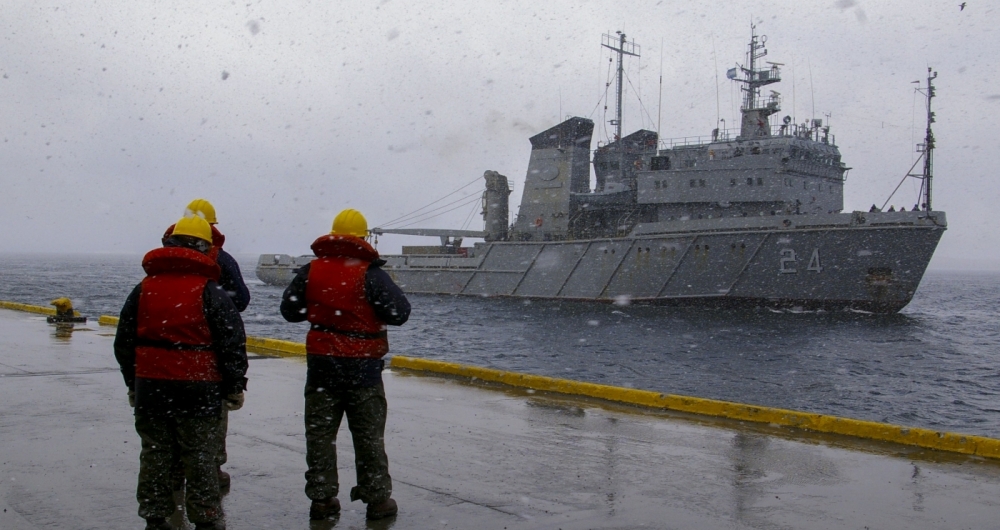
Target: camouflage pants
[[197, 442], [366, 412], [221, 457]]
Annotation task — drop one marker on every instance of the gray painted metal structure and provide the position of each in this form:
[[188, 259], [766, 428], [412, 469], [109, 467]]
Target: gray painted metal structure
[[752, 216]]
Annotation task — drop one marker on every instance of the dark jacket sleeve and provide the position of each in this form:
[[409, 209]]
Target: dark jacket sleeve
[[128, 331], [229, 340], [385, 297], [232, 281], [293, 301]]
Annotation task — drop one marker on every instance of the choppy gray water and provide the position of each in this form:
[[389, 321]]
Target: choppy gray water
[[933, 365]]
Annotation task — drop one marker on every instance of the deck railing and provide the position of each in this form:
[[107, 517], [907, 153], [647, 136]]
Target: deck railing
[[725, 135]]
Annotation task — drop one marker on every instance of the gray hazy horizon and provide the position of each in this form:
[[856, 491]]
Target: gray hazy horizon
[[117, 115]]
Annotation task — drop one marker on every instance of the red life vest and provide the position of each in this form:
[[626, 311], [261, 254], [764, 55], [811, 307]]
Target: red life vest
[[343, 322], [174, 340]]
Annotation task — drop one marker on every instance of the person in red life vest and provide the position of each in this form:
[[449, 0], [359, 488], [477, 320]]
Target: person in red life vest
[[231, 280], [348, 300], [182, 351]]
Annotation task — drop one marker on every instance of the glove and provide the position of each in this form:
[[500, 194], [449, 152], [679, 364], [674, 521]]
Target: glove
[[233, 401], [131, 398]]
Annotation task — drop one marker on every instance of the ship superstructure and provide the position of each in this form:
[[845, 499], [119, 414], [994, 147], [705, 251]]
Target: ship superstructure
[[760, 169]]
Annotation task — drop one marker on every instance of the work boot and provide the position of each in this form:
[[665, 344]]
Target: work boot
[[324, 509], [157, 523], [213, 525], [386, 508], [224, 480]]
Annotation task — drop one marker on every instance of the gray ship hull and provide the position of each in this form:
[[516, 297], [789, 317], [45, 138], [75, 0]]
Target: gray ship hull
[[867, 261], [279, 269]]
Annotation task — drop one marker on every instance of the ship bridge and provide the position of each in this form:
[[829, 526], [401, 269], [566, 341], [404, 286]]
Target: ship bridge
[[788, 173]]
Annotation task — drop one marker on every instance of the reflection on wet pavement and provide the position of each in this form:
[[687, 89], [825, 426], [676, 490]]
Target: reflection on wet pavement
[[463, 455]]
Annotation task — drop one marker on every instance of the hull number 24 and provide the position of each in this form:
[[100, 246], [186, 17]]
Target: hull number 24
[[789, 260]]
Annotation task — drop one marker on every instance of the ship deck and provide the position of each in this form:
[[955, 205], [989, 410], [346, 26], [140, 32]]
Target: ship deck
[[462, 455]]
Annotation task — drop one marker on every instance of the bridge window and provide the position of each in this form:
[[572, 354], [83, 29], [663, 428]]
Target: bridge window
[[658, 163], [750, 181]]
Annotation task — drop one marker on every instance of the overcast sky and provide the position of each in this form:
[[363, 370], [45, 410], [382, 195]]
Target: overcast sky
[[116, 114]]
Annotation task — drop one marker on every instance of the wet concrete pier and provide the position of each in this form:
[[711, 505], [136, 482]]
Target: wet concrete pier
[[462, 456]]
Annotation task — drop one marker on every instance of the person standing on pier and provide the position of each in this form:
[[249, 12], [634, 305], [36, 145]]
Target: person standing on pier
[[182, 351], [231, 280], [348, 300]]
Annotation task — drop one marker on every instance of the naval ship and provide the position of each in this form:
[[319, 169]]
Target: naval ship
[[752, 216]]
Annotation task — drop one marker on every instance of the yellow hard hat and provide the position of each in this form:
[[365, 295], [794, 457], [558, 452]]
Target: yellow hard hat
[[203, 209], [194, 226], [350, 222]]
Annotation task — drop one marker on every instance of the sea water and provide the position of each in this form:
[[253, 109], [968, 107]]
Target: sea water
[[932, 365]]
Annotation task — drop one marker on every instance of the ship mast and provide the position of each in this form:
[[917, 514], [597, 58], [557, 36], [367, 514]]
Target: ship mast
[[622, 48], [926, 149], [755, 112], [928, 145]]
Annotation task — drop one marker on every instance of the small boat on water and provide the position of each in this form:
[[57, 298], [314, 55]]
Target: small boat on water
[[752, 216]]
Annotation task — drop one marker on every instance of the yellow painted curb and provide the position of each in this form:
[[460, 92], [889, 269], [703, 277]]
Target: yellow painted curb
[[264, 345], [42, 310], [16, 306], [913, 436], [283, 348], [942, 441]]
